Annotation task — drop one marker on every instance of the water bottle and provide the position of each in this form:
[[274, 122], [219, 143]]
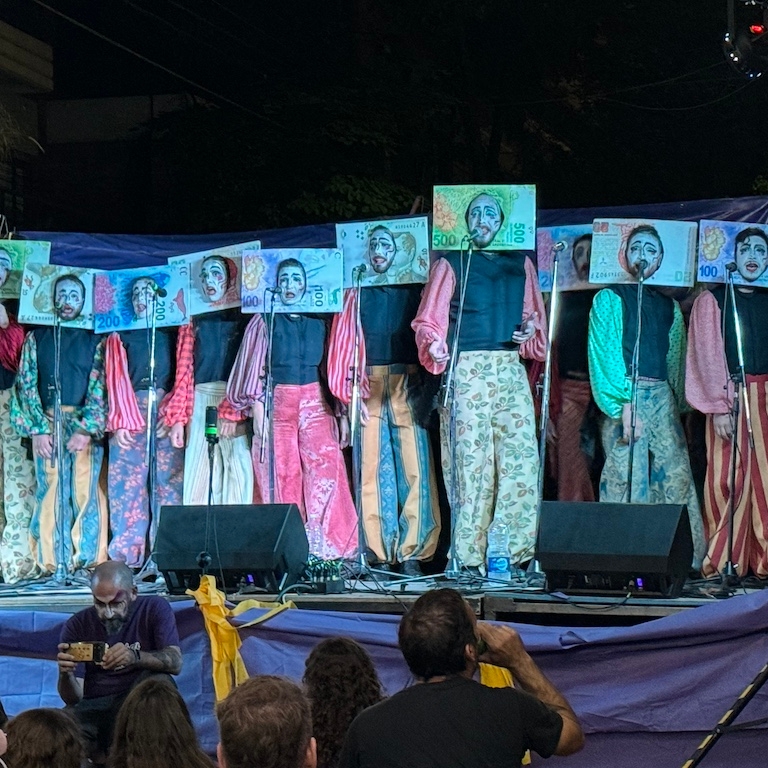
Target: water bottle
[[499, 566]]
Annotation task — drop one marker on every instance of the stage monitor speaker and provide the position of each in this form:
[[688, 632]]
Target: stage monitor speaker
[[255, 546], [604, 548]]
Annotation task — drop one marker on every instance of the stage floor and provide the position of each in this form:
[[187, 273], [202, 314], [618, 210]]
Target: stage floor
[[515, 603]]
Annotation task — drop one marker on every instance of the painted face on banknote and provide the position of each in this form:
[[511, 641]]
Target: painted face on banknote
[[644, 245], [292, 281], [141, 296], [381, 249], [751, 253], [582, 256], [484, 218], [214, 278], [68, 297]]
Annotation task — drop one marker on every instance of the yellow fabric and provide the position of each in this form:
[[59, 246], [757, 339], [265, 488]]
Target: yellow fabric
[[499, 677], [227, 663]]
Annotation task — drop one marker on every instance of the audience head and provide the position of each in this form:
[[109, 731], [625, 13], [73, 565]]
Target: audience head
[[44, 738], [438, 636], [266, 723], [341, 682], [152, 725]]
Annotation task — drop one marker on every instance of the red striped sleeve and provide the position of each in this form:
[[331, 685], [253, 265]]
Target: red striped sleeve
[[176, 407], [123, 408], [434, 312], [246, 380], [341, 352]]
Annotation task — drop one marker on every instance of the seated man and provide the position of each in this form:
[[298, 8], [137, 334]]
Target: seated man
[[143, 641], [266, 721], [448, 719]]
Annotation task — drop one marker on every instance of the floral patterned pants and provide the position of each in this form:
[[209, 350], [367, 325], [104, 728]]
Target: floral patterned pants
[[17, 487], [490, 455]]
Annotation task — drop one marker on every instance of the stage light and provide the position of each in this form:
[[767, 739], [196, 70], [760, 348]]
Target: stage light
[[745, 44]]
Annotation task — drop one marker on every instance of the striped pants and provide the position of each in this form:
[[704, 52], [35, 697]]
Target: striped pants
[[17, 490], [491, 455], [78, 537], [129, 513], [232, 468], [309, 470], [661, 469], [401, 516], [750, 529]]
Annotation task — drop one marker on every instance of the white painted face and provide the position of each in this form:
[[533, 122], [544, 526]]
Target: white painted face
[[381, 250], [292, 282], [68, 299], [644, 246], [484, 215], [752, 257], [213, 277], [141, 296], [5, 267]]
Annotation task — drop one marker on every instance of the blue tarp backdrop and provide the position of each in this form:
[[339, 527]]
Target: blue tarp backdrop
[[644, 694], [125, 251]]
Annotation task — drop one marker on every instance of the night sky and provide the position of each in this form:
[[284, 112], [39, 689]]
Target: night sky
[[350, 107]]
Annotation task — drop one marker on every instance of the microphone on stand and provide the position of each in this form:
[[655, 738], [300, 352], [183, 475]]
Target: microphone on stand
[[560, 245], [277, 290], [731, 266], [212, 424], [642, 265], [157, 290], [359, 271]]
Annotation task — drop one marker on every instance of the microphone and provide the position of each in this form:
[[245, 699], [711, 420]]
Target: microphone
[[731, 266], [474, 233], [211, 424], [642, 265], [560, 245], [157, 290], [359, 271], [277, 290]]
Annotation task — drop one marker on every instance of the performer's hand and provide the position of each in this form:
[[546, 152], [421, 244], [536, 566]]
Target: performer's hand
[[42, 446], [124, 439], [438, 350], [67, 663], [227, 428], [527, 329], [626, 423], [78, 442], [504, 648], [118, 656], [343, 422], [722, 425], [162, 429], [4, 322], [176, 434]]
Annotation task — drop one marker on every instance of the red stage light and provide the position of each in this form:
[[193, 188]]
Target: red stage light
[[757, 29]]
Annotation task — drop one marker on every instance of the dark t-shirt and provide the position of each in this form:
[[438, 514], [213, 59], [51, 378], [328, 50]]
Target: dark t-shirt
[[457, 722], [151, 626]]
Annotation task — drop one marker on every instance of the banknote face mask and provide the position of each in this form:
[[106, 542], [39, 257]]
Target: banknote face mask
[[141, 296], [68, 298], [381, 249], [644, 244], [292, 282], [214, 278], [5, 267], [581, 257], [752, 256], [484, 217]]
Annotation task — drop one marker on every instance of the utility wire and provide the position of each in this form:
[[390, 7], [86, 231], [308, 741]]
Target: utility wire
[[161, 67]]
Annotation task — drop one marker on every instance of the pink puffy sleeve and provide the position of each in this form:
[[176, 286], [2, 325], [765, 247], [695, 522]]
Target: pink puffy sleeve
[[341, 352], [433, 317], [246, 379], [533, 306], [123, 407], [708, 386]]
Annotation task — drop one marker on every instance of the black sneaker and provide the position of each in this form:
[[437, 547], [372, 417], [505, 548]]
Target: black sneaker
[[410, 568]]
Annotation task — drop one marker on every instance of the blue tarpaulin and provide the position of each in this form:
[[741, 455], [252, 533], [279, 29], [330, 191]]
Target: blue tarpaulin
[[644, 694]]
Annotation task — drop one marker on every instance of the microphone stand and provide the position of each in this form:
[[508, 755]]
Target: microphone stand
[[57, 456], [150, 455], [356, 422], [634, 378], [453, 569], [267, 432], [729, 575], [535, 565], [204, 558]]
